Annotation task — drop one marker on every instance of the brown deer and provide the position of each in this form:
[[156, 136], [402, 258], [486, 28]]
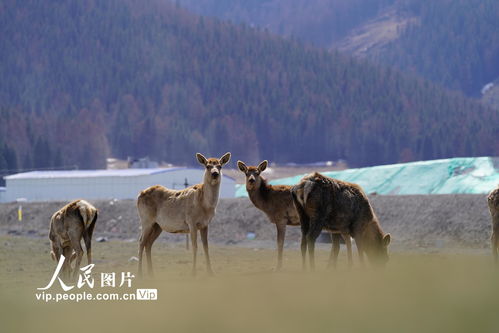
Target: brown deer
[[493, 201], [68, 226], [184, 211], [274, 200], [340, 207]]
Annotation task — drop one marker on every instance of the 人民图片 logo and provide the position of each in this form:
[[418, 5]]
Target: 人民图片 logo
[[86, 278]]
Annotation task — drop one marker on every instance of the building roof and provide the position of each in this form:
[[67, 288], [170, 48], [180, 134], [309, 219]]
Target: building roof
[[96, 173], [90, 173]]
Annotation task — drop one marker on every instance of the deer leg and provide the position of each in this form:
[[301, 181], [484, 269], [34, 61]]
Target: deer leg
[[142, 243], [153, 235], [335, 250], [304, 231], [56, 252], [360, 250], [494, 240], [66, 266], [204, 239], [348, 243], [75, 234], [281, 233], [76, 245], [194, 241], [304, 225], [73, 257], [313, 233], [87, 238]]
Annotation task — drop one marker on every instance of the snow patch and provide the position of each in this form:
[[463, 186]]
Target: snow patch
[[487, 87]]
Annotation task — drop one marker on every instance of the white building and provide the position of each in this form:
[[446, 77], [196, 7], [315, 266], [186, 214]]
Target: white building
[[102, 184], [3, 194]]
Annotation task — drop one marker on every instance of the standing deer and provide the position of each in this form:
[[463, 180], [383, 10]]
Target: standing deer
[[341, 207], [274, 200], [493, 201], [68, 226], [183, 211]]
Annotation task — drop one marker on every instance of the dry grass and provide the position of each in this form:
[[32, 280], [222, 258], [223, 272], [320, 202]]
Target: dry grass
[[415, 293]]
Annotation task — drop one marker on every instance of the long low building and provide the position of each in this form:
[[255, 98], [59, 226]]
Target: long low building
[[102, 184]]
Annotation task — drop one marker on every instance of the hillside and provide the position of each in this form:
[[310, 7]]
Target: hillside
[[454, 43], [321, 23], [85, 80], [451, 42]]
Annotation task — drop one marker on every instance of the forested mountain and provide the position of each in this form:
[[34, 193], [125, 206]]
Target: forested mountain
[[321, 22], [452, 42], [83, 80]]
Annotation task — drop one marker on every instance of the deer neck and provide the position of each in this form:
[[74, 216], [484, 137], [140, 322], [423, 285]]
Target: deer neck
[[211, 191], [258, 195], [371, 234]]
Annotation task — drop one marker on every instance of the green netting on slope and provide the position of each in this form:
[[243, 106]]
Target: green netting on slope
[[475, 175]]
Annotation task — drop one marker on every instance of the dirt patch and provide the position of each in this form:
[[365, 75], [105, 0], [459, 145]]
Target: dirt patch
[[415, 221], [375, 34]]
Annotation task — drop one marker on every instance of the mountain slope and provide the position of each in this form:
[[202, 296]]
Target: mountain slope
[[319, 22], [87, 79], [451, 42], [454, 43]]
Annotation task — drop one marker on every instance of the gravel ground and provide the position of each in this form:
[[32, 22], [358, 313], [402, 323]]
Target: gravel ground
[[415, 222]]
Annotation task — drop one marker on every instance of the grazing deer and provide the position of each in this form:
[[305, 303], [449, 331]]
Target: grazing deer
[[68, 226], [183, 211], [340, 207], [274, 200], [493, 201]]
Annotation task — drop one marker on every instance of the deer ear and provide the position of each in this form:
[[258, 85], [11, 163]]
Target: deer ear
[[225, 159], [242, 166], [201, 158], [262, 166], [386, 240]]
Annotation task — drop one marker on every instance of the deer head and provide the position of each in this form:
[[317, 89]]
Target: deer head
[[253, 179], [213, 167], [378, 253]]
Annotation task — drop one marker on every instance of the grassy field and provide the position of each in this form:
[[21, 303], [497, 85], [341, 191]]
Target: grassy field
[[439, 292]]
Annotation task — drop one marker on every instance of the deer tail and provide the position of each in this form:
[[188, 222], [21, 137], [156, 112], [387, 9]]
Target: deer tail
[[88, 213]]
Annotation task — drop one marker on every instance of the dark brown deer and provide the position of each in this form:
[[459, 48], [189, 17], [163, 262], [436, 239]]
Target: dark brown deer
[[493, 201], [274, 200], [184, 211], [68, 226], [340, 207]]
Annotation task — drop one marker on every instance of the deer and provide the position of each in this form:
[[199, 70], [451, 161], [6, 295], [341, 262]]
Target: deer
[[181, 211], [340, 207], [493, 203], [274, 200], [68, 226]]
